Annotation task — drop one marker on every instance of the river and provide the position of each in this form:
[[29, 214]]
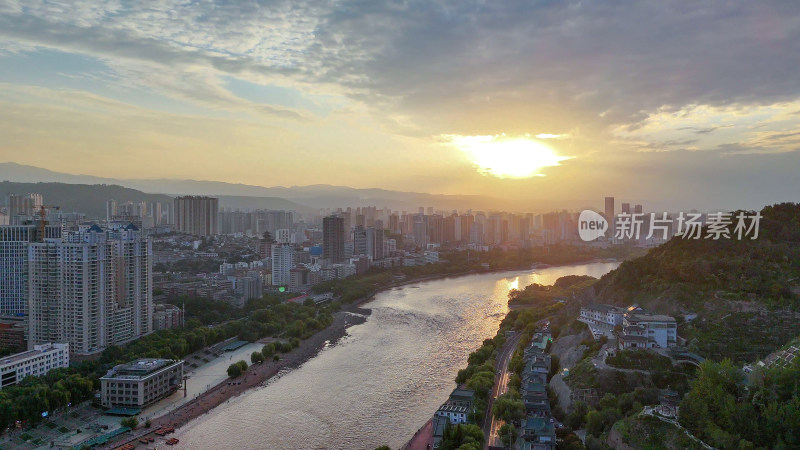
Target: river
[[381, 382]]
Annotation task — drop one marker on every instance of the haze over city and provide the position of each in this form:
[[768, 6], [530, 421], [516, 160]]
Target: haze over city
[[672, 105]]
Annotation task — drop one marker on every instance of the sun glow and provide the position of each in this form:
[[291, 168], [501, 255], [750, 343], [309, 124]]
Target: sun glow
[[506, 157]]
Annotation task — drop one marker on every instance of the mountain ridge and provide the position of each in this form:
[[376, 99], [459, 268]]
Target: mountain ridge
[[314, 196]]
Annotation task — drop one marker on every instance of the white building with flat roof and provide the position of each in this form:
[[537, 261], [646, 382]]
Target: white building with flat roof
[[140, 383], [642, 329], [33, 363], [601, 314]]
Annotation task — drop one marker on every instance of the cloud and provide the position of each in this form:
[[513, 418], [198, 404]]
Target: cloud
[[439, 60], [651, 78]]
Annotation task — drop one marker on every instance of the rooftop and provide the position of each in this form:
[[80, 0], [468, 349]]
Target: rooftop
[[39, 350], [603, 308], [140, 368], [645, 317]]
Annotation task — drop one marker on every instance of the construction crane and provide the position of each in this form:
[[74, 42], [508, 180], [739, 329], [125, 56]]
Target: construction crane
[[42, 214]]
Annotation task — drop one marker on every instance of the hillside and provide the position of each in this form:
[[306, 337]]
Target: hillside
[[738, 288], [89, 199]]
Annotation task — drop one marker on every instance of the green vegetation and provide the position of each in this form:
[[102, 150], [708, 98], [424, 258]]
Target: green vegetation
[[726, 412], [509, 407], [237, 369], [256, 358], [508, 434], [742, 337], [641, 431], [479, 374], [462, 437], [563, 288], [691, 271], [568, 440], [639, 359], [612, 408], [27, 400], [130, 422], [291, 320]]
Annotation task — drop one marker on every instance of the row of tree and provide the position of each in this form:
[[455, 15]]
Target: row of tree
[[33, 396]]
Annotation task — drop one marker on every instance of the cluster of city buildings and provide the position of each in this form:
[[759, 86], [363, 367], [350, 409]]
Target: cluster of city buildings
[[633, 327], [89, 287]]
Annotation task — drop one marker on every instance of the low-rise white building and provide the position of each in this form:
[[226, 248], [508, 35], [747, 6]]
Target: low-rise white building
[[140, 383], [642, 329], [36, 362], [600, 314]]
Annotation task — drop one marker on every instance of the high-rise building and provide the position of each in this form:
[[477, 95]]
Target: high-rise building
[[435, 226], [111, 209], [91, 289], [626, 208], [420, 231], [23, 205], [333, 239], [196, 215], [283, 236], [282, 263], [394, 223], [375, 243], [359, 241], [14, 242]]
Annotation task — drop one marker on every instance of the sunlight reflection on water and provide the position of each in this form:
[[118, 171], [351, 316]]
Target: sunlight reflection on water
[[382, 381]]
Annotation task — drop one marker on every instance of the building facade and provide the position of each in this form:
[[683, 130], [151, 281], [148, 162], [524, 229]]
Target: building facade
[[33, 363], [196, 215], [600, 314], [167, 316], [92, 289], [642, 329], [140, 383], [14, 240], [333, 239], [282, 263]]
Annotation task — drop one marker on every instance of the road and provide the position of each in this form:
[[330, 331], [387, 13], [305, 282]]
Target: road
[[490, 425]]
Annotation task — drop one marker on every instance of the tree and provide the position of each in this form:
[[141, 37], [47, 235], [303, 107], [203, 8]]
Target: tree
[[130, 422], [577, 417], [594, 423], [256, 358], [508, 434], [268, 351], [234, 370], [462, 437], [148, 423], [508, 408]]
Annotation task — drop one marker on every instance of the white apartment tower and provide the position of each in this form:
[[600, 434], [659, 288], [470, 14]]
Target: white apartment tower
[[282, 263], [14, 240], [92, 289]]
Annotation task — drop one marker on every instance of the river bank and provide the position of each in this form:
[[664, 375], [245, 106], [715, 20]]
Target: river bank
[[256, 375], [259, 375]]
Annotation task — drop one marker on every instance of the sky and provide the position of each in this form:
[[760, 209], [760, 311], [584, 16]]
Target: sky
[[678, 104]]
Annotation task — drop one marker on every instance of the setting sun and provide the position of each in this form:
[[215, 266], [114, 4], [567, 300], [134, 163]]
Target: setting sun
[[507, 157]]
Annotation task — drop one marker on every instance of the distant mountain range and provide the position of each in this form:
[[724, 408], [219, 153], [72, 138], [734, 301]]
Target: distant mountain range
[[233, 195]]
